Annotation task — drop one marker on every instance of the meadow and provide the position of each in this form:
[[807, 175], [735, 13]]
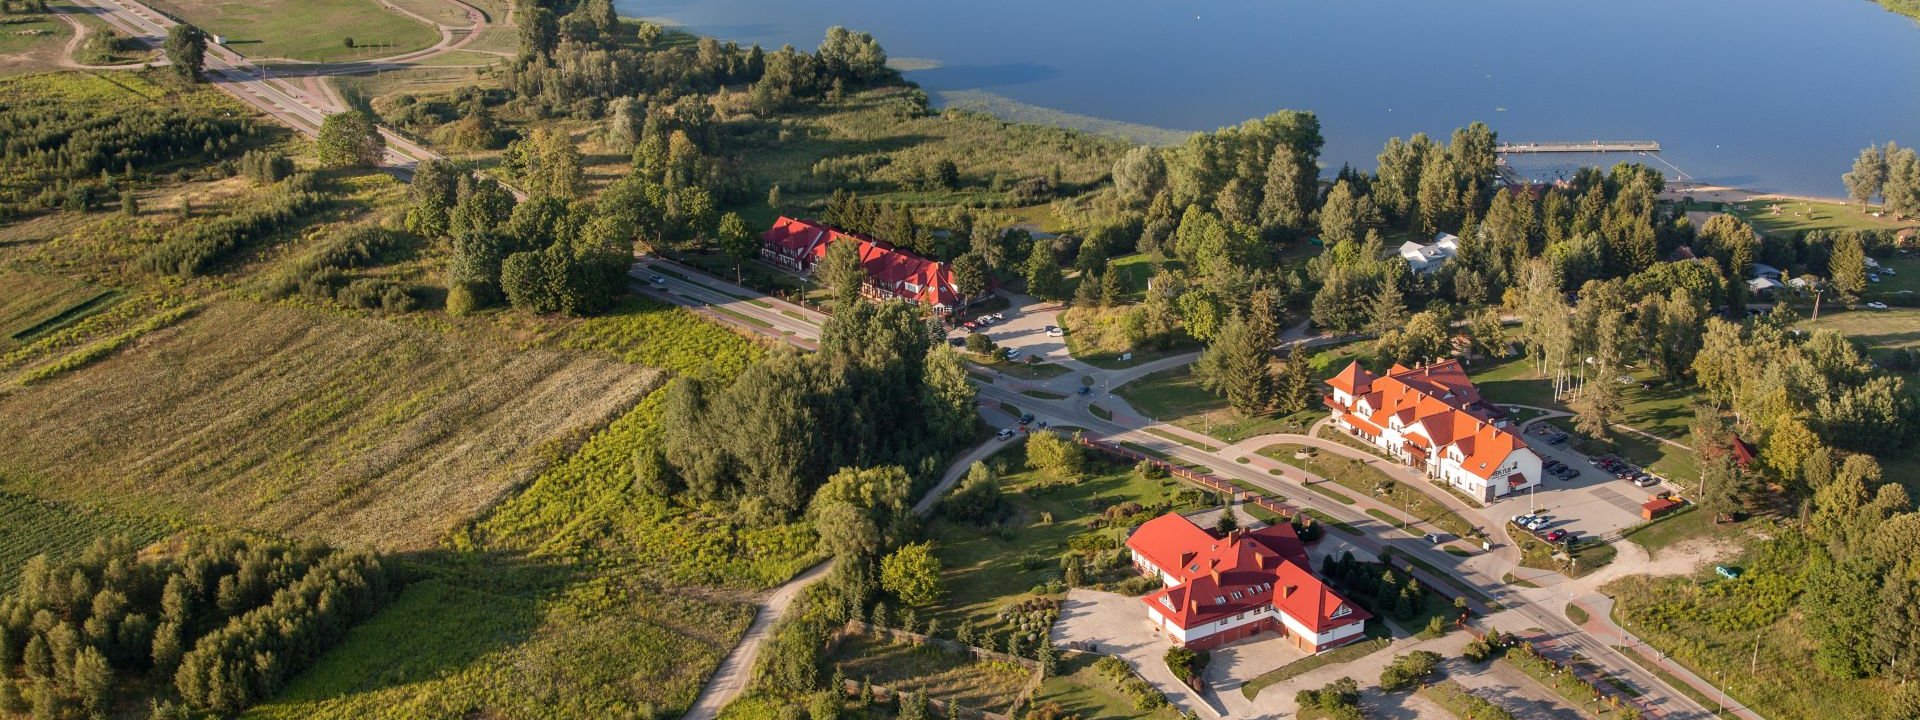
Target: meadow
[[32, 42], [315, 32]]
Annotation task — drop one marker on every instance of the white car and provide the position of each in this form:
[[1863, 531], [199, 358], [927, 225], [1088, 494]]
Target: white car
[[1538, 522], [1522, 520], [1055, 332], [1005, 434], [1877, 305], [1013, 353]]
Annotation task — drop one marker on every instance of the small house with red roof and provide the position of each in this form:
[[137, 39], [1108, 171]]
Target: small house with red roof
[[1431, 417], [892, 273], [1222, 588]]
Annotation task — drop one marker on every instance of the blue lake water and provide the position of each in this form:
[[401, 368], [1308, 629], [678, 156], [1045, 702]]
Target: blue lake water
[[1775, 95]]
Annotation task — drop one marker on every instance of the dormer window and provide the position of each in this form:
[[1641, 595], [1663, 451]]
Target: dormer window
[[1219, 599], [1341, 611], [1236, 594], [1167, 602]]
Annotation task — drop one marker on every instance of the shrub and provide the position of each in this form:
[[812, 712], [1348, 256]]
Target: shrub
[[463, 298], [1186, 664], [193, 248], [1408, 670]]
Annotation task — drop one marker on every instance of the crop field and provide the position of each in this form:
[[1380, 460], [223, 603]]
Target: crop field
[[360, 432], [305, 30], [30, 301], [30, 527]]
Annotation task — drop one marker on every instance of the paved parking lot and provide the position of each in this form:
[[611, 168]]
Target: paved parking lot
[[1592, 504]]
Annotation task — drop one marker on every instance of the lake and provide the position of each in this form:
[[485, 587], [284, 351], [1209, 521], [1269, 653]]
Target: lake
[[1775, 95]]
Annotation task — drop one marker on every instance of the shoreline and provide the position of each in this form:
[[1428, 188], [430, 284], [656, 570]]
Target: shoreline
[[1702, 192]]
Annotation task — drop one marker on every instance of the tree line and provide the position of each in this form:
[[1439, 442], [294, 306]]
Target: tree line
[[221, 621]]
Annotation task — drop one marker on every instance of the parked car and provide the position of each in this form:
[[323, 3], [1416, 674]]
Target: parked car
[[1027, 418], [1552, 466], [984, 319], [1433, 539], [1650, 481], [1877, 305], [1005, 434], [1570, 538], [1556, 535], [957, 341], [1084, 390], [1539, 522], [997, 317], [1013, 353], [1054, 331], [1522, 520], [970, 325]]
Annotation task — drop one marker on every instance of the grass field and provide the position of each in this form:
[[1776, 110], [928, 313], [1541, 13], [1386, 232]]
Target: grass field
[[1897, 328], [30, 526], [1724, 629], [990, 568], [1081, 691], [1463, 703], [490, 637], [303, 30], [931, 670], [1786, 217], [30, 43], [870, 128], [1174, 396], [361, 432], [31, 302], [1659, 408]]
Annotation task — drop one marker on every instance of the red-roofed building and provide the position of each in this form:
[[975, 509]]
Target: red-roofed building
[[1431, 417], [1225, 588], [892, 273]]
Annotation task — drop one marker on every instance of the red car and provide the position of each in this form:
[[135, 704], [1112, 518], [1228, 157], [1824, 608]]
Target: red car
[[1556, 535]]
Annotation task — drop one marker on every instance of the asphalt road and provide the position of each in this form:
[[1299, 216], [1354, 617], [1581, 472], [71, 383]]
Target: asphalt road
[[1540, 610]]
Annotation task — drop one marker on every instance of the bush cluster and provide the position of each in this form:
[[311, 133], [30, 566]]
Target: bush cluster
[[194, 248], [1145, 697]]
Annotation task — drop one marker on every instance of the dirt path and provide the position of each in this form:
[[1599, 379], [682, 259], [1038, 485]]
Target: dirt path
[[731, 679], [1681, 559], [80, 33]]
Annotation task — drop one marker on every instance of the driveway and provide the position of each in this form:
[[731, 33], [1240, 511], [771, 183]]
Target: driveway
[[1115, 624]]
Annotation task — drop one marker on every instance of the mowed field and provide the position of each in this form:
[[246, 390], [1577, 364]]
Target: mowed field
[[1877, 329], [358, 431], [32, 300], [305, 30]]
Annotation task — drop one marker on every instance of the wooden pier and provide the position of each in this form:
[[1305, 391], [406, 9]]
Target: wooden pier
[[1591, 146]]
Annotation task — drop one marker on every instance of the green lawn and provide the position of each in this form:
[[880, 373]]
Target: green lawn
[[1174, 396], [31, 42], [1082, 692], [1366, 480], [1785, 217], [1897, 328], [305, 30]]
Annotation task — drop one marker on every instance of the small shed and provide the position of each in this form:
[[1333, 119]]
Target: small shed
[[1657, 507]]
